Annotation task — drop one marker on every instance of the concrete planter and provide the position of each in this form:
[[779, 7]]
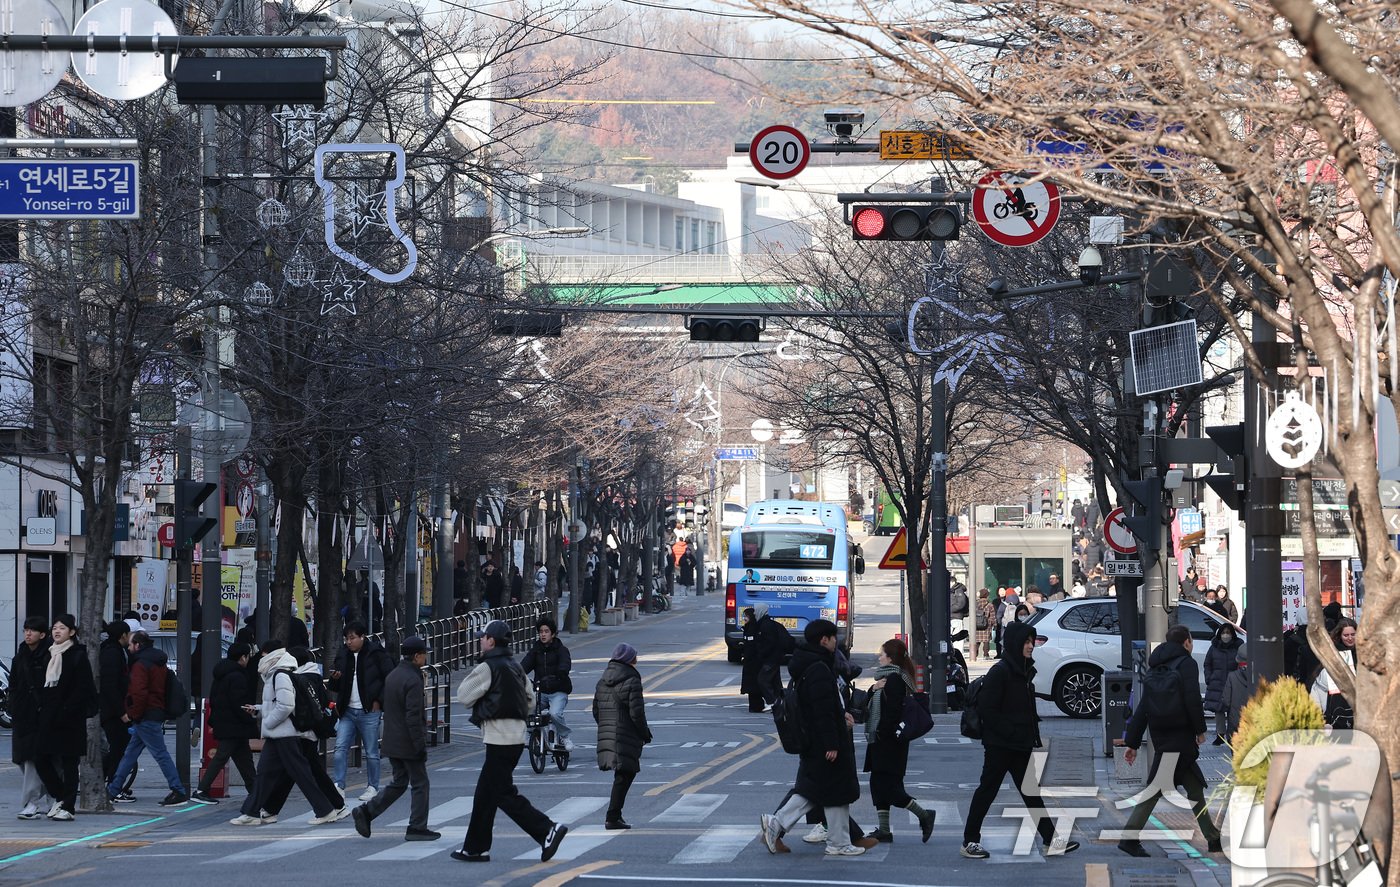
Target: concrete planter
[[629, 613], [611, 616]]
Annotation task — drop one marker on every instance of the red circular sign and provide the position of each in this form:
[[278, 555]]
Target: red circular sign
[[1117, 534], [1012, 212], [166, 535], [780, 152]]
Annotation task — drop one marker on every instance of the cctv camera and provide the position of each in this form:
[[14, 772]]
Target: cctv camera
[[1090, 266], [996, 286], [842, 122]]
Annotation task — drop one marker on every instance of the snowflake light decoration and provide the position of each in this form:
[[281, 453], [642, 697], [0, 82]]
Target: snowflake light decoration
[[258, 296], [299, 271]]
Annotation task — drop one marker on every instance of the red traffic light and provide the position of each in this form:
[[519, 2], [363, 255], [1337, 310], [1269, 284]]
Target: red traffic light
[[905, 222], [868, 223]]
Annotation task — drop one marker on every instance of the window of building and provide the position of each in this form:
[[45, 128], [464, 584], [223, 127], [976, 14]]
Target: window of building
[[711, 237], [680, 234]]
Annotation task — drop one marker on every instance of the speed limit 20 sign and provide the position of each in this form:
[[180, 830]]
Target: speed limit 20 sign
[[779, 152]]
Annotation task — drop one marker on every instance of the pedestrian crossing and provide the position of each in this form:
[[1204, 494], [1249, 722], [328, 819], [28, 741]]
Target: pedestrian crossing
[[689, 818]]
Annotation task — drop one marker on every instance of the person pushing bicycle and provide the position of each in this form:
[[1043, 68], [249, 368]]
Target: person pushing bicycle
[[550, 662]]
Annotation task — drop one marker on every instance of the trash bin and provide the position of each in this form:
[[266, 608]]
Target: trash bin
[[1117, 687]]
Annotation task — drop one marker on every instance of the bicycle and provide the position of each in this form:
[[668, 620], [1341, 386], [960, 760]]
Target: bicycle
[[1354, 867], [541, 740]]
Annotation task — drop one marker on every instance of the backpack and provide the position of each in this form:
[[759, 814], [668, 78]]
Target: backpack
[[177, 700], [981, 619], [1162, 696], [914, 720], [971, 723], [787, 717], [313, 712]]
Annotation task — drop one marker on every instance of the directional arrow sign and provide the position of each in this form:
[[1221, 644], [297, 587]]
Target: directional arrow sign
[[1390, 493], [1392, 519]]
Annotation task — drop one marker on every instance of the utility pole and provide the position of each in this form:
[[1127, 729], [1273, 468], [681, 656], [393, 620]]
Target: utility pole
[[444, 595], [1262, 519], [263, 555], [575, 540], [938, 539]]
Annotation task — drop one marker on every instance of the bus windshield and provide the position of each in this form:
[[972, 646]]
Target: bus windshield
[[788, 548]]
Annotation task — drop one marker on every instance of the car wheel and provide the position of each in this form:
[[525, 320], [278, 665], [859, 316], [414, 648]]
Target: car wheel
[[1078, 691], [735, 653]]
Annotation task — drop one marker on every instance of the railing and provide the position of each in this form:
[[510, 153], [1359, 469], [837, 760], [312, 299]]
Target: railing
[[616, 270]]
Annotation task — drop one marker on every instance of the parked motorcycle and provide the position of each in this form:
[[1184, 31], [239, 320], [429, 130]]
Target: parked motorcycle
[[956, 674], [6, 721]]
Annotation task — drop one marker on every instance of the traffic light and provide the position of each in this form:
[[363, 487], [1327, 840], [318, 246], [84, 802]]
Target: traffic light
[[529, 324], [905, 222], [1146, 520], [190, 523], [724, 329], [1230, 484]]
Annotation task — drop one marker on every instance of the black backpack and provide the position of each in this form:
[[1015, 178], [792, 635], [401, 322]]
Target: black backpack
[[177, 700], [1162, 696], [313, 712], [971, 723], [787, 717]]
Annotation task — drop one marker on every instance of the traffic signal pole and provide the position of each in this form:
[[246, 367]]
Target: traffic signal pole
[[938, 539]]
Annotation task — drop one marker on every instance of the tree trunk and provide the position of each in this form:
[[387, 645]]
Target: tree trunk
[[101, 515]]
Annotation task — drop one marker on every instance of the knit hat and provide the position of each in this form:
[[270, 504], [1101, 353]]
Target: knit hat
[[625, 653], [413, 645]]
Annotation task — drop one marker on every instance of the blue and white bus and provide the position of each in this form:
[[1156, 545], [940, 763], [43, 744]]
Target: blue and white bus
[[798, 558]]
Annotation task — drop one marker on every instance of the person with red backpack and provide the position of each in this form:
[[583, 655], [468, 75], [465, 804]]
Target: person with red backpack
[[1171, 708]]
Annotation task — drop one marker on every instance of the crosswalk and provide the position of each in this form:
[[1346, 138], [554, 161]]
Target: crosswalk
[[699, 821]]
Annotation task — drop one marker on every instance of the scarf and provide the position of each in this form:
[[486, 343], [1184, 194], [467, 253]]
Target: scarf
[[872, 718], [55, 669]]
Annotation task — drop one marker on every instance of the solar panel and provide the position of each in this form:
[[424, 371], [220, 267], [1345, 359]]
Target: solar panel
[[1165, 357]]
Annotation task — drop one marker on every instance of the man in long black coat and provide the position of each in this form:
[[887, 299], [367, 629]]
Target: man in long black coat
[[405, 744], [26, 681]]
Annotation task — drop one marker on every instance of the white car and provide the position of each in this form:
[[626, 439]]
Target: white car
[[732, 516], [1077, 640]]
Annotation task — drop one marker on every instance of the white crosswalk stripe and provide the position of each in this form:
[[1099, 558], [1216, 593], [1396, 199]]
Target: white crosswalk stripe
[[574, 809], [720, 843], [691, 808], [285, 845], [1001, 843], [453, 809]]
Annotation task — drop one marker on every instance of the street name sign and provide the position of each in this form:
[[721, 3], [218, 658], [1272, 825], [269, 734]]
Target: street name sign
[[907, 144], [780, 152], [1013, 212], [69, 189], [737, 454], [1122, 567]]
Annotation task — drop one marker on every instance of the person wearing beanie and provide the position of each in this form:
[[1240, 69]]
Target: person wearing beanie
[[620, 712], [497, 693], [66, 696], [405, 744], [233, 726]]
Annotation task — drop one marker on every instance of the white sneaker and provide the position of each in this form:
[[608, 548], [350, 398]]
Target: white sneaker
[[816, 836], [368, 794], [267, 818], [61, 816], [334, 816], [847, 850], [769, 830], [568, 745], [30, 811], [245, 819], [57, 806]]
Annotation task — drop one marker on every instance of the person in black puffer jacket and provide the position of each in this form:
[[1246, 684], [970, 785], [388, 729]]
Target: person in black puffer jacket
[[1220, 661], [1177, 734], [620, 712], [826, 770], [550, 661], [1010, 731], [233, 726]]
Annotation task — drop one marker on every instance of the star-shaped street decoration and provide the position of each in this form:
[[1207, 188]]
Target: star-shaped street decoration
[[339, 291], [368, 209], [298, 125]]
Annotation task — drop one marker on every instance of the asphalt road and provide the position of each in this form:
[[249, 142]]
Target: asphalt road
[[713, 768]]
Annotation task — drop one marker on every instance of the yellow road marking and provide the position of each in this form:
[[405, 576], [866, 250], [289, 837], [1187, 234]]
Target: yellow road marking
[[1096, 874], [703, 768], [731, 768], [568, 875], [50, 879]]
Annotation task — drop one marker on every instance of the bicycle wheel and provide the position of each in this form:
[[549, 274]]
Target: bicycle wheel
[[561, 759], [538, 752]]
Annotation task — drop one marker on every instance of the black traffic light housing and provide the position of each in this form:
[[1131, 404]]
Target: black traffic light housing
[[705, 328], [529, 324], [1146, 520], [1230, 483], [191, 526], [229, 80], [897, 221]]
